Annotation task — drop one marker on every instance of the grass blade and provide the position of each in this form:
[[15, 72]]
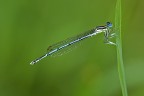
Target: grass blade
[[119, 48]]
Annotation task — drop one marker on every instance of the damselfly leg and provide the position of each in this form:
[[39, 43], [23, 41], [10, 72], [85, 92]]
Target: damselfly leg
[[108, 34]]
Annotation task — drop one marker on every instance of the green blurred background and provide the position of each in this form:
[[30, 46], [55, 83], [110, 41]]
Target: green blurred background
[[28, 27]]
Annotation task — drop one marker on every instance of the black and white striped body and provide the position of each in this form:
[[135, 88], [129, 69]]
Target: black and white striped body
[[70, 41]]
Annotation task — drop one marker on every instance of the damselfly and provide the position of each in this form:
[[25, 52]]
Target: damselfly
[[70, 41]]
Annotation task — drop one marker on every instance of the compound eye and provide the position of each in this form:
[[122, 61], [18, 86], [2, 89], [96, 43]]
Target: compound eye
[[109, 24]]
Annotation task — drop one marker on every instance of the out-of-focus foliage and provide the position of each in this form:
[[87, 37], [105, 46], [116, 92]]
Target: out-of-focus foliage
[[28, 27]]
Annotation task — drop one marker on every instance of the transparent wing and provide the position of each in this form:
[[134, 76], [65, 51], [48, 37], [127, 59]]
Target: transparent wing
[[69, 40]]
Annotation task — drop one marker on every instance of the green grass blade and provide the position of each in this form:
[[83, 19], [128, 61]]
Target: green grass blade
[[119, 48]]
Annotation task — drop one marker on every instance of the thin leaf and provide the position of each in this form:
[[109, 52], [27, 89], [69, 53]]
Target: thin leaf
[[119, 48]]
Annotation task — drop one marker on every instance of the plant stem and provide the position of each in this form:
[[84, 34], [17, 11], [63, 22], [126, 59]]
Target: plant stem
[[119, 48]]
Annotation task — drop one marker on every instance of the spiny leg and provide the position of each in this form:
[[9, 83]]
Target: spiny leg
[[106, 38], [112, 35]]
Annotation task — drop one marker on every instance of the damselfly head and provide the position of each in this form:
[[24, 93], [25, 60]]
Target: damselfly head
[[109, 24]]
